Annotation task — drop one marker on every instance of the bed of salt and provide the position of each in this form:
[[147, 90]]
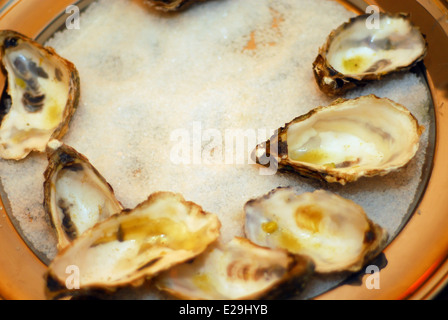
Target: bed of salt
[[160, 94]]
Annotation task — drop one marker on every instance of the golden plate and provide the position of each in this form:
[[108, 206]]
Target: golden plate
[[417, 259]]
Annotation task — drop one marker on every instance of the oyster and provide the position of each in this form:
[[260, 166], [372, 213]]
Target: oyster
[[239, 270], [76, 196], [170, 5], [334, 232], [346, 140], [41, 95], [134, 245], [356, 52]]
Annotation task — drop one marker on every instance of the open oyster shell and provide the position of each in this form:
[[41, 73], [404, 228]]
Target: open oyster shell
[[334, 232], [345, 141], [132, 246], [41, 95], [171, 5], [357, 52], [76, 195], [238, 270]]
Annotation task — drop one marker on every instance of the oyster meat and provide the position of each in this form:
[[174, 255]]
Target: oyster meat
[[134, 245], [346, 140], [239, 270], [333, 231], [358, 52], [76, 195], [171, 5], [41, 95]]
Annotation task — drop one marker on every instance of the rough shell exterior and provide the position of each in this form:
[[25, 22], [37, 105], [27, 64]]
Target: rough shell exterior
[[334, 83], [277, 147], [133, 246], [238, 270], [171, 5], [64, 157], [9, 38], [373, 241]]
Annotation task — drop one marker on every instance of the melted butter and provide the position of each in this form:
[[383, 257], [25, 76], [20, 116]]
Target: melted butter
[[151, 233], [331, 165], [269, 227], [20, 137], [284, 237], [165, 232], [23, 135], [20, 82], [315, 156], [202, 282], [288, 241], [53, 115], [354, 65], [308, 217]]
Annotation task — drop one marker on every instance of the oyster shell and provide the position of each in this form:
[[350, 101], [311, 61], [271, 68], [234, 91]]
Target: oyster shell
[[334, 232], [134, 245], [356, 53], [346, 140], [41, 95], [76, 195], [239, 270], [171, 5]]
